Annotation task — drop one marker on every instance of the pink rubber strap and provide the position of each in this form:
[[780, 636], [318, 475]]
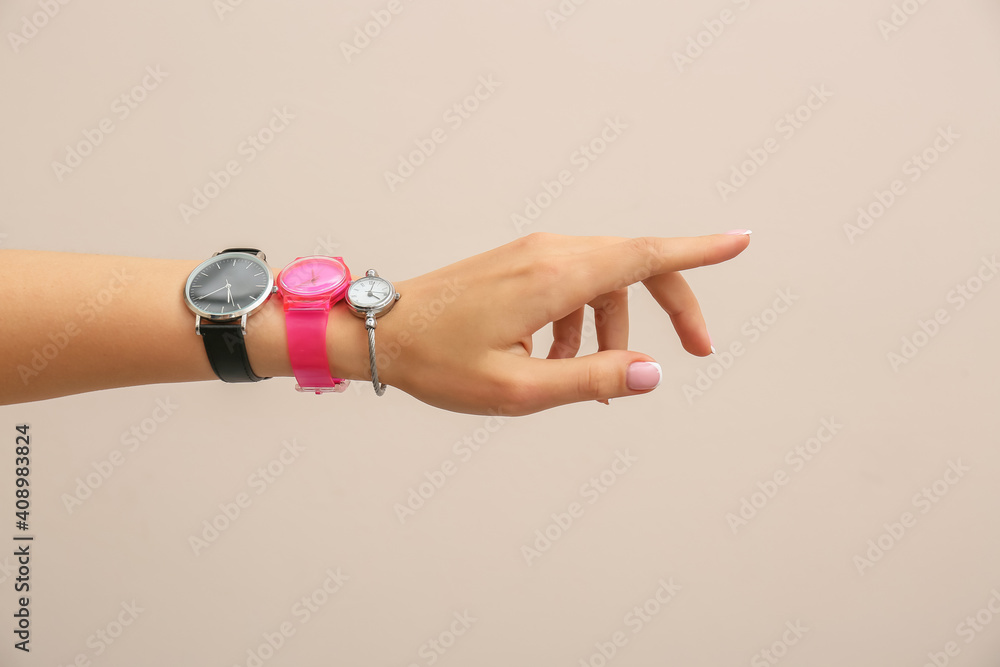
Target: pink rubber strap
[[306, 331]]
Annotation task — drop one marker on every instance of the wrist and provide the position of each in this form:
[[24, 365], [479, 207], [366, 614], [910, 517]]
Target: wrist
[[267, 340], [347, 345]]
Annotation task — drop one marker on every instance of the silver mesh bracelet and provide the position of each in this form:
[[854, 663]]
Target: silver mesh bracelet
[[370, 323]]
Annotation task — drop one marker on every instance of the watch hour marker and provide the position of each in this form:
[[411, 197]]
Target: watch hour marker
[[257, 274], [204, 273]]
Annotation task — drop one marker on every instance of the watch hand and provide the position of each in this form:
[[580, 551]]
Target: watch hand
[[214, 291]]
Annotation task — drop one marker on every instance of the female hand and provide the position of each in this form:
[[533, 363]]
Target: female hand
[[460, 336]]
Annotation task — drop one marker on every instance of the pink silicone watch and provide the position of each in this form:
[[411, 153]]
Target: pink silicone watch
[[309, 287]]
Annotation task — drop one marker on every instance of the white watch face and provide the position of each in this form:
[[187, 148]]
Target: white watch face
[[370, 292]]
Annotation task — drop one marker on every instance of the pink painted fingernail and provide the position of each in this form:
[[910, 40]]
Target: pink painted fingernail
[[736, 232], [642, 375]]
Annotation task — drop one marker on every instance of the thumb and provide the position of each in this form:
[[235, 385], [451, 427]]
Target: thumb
[[601, 375]]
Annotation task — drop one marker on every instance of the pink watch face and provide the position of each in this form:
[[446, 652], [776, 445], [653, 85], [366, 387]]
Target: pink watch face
[[317, 276]]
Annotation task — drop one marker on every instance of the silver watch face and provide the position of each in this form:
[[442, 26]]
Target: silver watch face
[[371, 292], [228, 286]]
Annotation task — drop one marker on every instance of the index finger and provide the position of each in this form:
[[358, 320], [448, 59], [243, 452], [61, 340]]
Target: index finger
[[618, 265]]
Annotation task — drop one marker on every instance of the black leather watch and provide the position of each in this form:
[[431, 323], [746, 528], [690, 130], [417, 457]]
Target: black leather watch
[[223, 291]]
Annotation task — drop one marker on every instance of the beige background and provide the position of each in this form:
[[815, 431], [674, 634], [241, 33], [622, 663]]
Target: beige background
[[320, 186]]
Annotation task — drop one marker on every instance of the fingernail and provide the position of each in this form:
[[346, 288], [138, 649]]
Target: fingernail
[[736, 232], [711, 344], [603, 400], [643, 375]]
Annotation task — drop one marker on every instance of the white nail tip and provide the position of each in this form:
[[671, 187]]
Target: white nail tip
[[659, 372]]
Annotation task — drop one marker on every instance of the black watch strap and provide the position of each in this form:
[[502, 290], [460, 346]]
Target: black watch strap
[[227, 351], [249, 251]]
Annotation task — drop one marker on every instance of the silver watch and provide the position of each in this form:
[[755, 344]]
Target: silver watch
[[371, 297]]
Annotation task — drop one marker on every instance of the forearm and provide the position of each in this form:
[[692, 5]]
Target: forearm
[[73, 323], [460, 337]]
